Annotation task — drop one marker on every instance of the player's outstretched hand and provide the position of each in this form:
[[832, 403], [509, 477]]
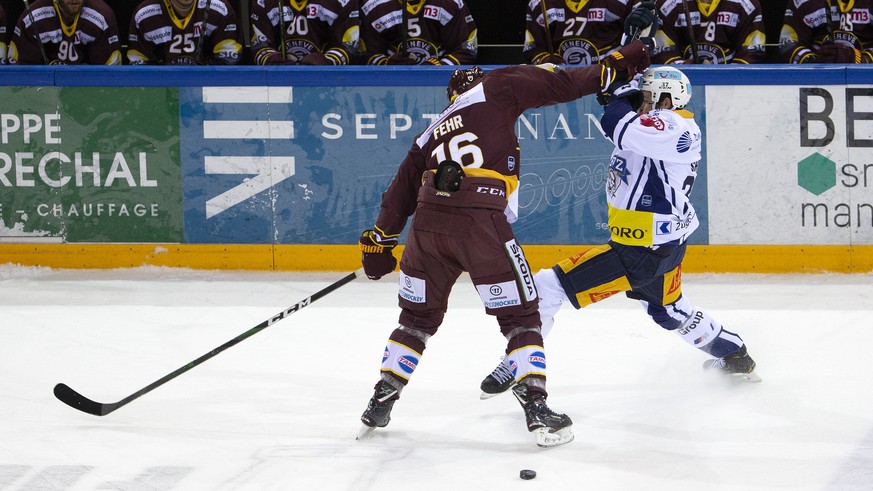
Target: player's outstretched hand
[[629, 60], [376, 255]]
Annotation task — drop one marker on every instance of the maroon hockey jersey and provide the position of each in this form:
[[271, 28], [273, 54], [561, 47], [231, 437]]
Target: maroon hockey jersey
[[439, 32], [42, 37], [157, 36], [582, 32], [725, 31], [325, 26], [478, 131], [810, 24]]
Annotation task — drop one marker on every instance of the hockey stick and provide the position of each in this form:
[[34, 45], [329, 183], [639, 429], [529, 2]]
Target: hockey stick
[[36, 33], [830, 30], [203, 28], [549, 45], [245, 17], [77, 401], [282, 48], [692, 43]]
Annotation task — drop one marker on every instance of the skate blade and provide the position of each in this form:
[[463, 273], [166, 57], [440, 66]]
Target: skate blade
[[485, 395], [364, 432], [546, 438]]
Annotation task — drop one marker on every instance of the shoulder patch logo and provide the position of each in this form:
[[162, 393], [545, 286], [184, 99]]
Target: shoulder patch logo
[[684, 143]]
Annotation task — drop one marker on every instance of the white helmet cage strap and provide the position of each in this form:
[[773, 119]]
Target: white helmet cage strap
[[667, 80]]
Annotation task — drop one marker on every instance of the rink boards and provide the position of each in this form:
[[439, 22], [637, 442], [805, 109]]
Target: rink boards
[[281, 168]]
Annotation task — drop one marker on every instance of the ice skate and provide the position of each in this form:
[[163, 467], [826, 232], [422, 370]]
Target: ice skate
[[378, 412], [738, 366], [498, 382], [550, 428]]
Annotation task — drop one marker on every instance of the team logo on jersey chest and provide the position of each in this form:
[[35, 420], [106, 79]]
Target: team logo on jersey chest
[[421, 49], [579, 52], [299, 47], [709, 53]]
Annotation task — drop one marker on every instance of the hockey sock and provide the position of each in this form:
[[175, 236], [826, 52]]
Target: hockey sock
[[399, 360], [552, 296], [706, 334]]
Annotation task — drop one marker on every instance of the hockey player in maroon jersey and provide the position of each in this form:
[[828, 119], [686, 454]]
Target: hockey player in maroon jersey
[[579, 33], [66, 32], [309, 32], [460, 180], [724, 31], [825, 31], [435, 32], [171, 32]]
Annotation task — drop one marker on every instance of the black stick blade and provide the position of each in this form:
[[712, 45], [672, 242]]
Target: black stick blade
[[77, 401]]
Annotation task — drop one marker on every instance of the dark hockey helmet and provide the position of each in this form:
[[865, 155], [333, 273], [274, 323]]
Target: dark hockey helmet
[[461, 81]]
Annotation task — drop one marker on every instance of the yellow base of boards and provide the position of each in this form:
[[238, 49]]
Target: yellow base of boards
[[700, 259]]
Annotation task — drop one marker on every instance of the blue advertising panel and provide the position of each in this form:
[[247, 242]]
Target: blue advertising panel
[[307, 164]]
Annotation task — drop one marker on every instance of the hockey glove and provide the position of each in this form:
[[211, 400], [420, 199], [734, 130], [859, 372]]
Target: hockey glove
[[623, 90], [376, 255], [316, 58], [547, 57], [837, 53], [276, 59], [641, 24], [629, 60]]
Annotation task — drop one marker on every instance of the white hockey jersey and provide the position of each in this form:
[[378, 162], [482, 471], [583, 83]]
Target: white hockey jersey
[[651, 174]]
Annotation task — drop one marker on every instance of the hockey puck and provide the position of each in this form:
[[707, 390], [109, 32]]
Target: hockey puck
[[527, 474]]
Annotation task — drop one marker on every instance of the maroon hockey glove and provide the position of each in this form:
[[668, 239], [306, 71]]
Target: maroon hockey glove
[[629, 60], [376, 255], [837, 53], [276, 59], [316, 58], [545, 57]]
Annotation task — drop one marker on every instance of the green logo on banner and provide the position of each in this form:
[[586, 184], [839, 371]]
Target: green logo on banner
[[90, 164]]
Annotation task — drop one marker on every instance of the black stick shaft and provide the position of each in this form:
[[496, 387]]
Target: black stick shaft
[[549, 45], [77, 401], [282, 48], [199, 56]]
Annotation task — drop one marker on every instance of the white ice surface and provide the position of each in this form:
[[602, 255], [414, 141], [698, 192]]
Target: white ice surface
[[280, 410]]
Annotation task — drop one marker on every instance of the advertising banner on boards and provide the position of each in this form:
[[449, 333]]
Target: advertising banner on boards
[[805, 157], [268, 164], [90, 165]]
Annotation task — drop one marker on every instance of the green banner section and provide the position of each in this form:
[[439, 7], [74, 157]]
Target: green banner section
[[90, 164]]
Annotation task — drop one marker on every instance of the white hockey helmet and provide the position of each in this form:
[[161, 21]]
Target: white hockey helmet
[[667, 80]]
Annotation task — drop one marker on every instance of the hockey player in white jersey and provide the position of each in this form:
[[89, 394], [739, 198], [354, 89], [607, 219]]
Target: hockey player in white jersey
[[651, 173]]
